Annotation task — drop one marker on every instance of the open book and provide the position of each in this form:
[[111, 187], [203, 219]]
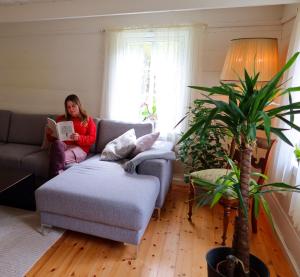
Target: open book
[[61, 130]]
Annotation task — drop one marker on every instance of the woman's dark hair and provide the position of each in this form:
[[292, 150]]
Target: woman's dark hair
[[75, 99]]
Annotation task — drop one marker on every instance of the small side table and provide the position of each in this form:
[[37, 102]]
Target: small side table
[[17, 188]]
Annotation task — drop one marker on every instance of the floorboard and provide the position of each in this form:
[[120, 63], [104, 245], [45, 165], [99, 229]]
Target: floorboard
[[171, 246]]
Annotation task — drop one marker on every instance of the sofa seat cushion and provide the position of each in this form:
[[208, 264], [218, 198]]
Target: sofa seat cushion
[[13, 153], [101, 192], [37, 163]]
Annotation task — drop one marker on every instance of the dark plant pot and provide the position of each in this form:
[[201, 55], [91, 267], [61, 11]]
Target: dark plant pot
[[216, 255]]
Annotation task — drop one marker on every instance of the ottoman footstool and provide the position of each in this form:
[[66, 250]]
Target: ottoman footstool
[[99, 198]]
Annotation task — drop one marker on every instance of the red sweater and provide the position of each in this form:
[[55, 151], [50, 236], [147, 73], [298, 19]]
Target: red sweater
[[87, 134]]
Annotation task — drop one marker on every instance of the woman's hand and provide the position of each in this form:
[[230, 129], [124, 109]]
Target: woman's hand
[[75, 136]]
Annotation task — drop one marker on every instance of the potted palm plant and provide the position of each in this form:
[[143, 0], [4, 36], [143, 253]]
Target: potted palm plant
[[246, 111]]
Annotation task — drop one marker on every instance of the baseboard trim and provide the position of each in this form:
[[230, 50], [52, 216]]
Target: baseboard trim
[[290, 232]]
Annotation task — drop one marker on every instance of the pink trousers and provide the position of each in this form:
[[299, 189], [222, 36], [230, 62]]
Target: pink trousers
[[62, 154], [74, 154]]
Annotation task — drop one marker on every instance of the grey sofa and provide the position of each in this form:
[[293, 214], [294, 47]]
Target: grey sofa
[[94, 197], [100, 198], [21, 137]]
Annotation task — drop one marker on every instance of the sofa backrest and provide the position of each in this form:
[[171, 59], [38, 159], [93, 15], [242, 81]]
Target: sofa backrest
[[110, 129], [93, 147], [27, 128], [4, 123]]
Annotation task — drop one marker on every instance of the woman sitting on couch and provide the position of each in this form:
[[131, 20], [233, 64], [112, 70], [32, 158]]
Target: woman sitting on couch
[[77, 148]]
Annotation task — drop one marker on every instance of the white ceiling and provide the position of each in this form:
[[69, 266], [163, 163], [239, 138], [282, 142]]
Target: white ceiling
[[23, 2], [36, 10], [200, 3]]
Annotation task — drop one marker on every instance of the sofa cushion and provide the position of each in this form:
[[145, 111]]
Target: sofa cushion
[[110, 129], [13, 153], [120, 147], [27, 128], [93, 147], [4, 123], [144, 143], [100, 192], [37, 163]]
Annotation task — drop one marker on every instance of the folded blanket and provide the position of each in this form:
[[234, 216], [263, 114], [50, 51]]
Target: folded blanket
[[152, 153], [163, 145]]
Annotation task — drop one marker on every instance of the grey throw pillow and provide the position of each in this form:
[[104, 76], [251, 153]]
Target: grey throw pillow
[[144, 143], [120, 147]]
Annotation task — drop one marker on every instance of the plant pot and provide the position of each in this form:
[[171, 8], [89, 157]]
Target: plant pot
[[216, 255]]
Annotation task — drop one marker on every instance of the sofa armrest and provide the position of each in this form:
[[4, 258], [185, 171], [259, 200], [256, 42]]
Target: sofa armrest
[[160, 150], [161, 168]]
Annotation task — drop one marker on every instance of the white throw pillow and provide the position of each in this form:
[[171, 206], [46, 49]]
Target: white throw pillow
[[120, 147]]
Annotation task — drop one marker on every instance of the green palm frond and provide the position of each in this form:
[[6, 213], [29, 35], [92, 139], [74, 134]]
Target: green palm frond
[[245, 111]]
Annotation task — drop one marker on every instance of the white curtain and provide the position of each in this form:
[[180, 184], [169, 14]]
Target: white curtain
[[285, 167], [167, 54], [123, 79]]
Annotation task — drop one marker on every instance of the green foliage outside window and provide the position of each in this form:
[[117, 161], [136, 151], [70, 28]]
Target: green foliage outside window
[[297, 153], [149, 113]]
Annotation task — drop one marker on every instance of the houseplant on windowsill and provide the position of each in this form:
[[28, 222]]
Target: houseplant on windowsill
[[149, 114], [245, 112]]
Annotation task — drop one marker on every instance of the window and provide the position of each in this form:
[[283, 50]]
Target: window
[[148, 71]]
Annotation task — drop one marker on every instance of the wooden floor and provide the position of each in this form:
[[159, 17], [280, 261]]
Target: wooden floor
[[171, 246]]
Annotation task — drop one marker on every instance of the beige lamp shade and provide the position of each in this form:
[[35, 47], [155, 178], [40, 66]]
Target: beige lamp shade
[[253, 54]]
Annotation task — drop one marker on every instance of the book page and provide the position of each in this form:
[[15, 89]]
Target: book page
[[65, 129], [52, 125]]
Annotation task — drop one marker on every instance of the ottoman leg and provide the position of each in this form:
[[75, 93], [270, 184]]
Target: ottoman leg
[[43, 228], [136, 249], [158, 213]]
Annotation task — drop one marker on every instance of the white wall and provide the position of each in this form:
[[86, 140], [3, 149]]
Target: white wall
[[38, 71], [41, 62]]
